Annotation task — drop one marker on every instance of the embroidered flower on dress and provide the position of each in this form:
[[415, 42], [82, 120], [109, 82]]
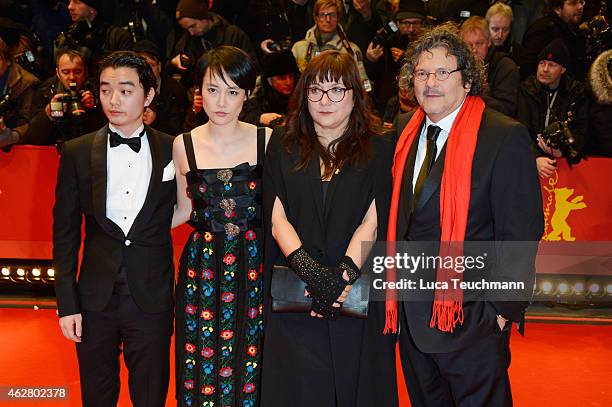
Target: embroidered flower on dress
[[227, 334], [188, 384], [252, 350], [208, 390], [253, 313], [190, 309], [208, 368], [227, 297], [252, 274], [208, 352], [249, 388], [189, 347], [207, 274], [208, 236], [229, 259], [250, 235], [206, 315], [191, 273], [252, 185], [225, 372]]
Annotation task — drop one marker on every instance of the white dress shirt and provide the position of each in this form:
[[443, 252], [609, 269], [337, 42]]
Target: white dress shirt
[[128, 175], [445, 124]]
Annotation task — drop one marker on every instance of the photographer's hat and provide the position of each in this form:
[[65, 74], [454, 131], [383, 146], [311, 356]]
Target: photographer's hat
[[411, 9], [557, 52], [278, 64], [93, 3], [197, 9], [148, 47]]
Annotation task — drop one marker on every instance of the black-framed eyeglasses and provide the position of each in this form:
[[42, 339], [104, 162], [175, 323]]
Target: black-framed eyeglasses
[[335, 94], [440, 74], [331, 16]]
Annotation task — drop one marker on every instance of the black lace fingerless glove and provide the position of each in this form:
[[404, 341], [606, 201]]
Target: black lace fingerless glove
[[325, 284], [347, 264]]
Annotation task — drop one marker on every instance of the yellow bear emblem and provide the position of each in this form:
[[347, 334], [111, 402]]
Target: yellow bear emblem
[[561, 230]]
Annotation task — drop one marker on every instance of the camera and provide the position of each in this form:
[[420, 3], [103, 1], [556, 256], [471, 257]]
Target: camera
[[186, 61], [70, 103], [27, 61], [280, 46], [559, 136], [78, 36], [382, 35]]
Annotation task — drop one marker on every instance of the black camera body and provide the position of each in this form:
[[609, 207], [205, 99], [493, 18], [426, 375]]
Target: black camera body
[[558, 135], [280, 46], [70, 103], [384, 33]]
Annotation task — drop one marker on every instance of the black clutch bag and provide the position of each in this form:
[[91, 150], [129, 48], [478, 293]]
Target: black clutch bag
[[288, 294]]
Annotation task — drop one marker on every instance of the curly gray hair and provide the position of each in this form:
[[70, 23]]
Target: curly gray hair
[[445, 36]]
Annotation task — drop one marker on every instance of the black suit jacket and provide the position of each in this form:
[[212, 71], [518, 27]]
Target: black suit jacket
[[505, 205], [146, 251]]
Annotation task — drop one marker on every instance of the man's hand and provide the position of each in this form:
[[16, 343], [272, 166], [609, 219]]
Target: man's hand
[[548, 149], [176, 61], [149, 116], [546, 166], [501, 322], [374, 53], [363, 8], [88, 100], [396, 54], [72, 327], [198, 101], [266, 118], [55, 99]]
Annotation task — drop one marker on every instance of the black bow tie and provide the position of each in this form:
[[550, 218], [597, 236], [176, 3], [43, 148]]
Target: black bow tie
[[132, 142]]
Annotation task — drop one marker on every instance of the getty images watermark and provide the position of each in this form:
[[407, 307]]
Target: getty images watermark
[[484, 271]]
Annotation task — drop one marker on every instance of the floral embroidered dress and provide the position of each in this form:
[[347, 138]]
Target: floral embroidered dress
[[219, 322]]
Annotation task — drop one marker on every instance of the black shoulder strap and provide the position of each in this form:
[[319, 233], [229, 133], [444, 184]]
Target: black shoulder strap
[[189, 151], [261, 145]]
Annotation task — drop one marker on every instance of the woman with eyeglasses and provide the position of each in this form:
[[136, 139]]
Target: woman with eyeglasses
[[326, 194], [327, 34]]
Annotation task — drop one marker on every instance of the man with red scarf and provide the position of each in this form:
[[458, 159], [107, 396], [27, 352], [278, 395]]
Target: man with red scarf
[[462, 173]]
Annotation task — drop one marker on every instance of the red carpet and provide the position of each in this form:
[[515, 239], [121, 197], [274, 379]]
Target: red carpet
[[554, 365]]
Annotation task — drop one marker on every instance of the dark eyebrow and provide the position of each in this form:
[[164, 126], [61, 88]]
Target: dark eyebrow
[[127, 83]]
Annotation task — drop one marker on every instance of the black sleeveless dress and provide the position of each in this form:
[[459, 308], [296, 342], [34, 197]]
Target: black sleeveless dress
[[219, 322]]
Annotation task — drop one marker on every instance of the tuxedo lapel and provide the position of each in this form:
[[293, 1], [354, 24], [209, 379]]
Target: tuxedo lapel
[[154, 181], [99, 181]]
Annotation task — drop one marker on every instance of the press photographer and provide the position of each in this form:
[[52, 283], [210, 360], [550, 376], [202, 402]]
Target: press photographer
[[16, 91], [65, 103], [554, 108], [90, 34], [385, 54]]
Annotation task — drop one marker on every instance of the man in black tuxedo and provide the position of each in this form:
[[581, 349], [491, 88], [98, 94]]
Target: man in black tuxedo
[[461, 360], [121, 180]]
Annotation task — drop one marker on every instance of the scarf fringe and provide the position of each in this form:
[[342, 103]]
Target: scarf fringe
[[390, 322], [445, 315]]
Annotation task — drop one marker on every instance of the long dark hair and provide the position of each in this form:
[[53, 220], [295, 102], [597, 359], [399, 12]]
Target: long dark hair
[[353, 146]]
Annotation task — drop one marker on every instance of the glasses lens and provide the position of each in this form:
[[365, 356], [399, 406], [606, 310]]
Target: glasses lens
[[336, 94], [442, 74], [314, 94]]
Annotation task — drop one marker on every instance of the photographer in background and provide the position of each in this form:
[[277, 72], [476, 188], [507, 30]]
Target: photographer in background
[[503, 75], [269, 103], [65, 103], [203, 31], [385, 55], [551, 101], [90, 34], [167, 111], [16, 91]]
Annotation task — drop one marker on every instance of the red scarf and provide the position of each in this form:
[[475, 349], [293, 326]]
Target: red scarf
[[454, 206]]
